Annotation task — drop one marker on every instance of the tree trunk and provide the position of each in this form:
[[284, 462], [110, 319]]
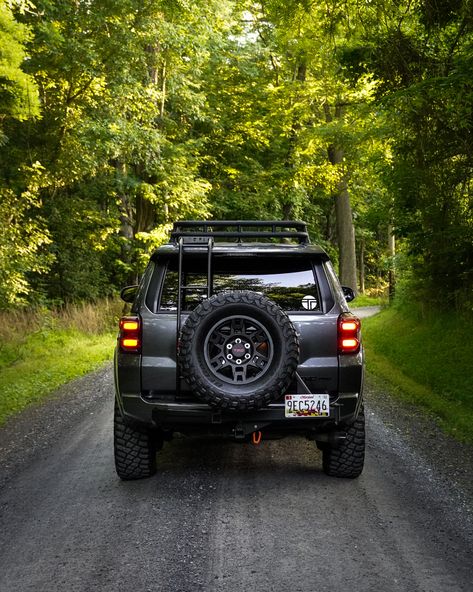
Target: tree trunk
[[362, 266], [300, 74], [392, 253], [343, 213], [163, 89], [127, 232], [346, 236], [145, 215]]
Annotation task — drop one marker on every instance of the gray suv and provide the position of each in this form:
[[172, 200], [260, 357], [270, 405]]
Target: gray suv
[[239, 329]]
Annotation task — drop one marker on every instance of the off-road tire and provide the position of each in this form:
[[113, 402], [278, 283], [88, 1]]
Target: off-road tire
[[135, 449], [347, 458], [210, 388]]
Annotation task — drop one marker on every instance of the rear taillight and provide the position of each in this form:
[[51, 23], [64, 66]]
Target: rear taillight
[[129, 338], [348, 333]]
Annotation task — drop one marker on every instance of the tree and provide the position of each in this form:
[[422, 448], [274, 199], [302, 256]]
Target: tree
[[18, 91], [293, 133], [120, 97], [353, 116], [23, 234], [421, 56]]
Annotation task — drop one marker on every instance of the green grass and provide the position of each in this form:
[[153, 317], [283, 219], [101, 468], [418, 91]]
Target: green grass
[[364, 300], [426, 362], [43, 350]]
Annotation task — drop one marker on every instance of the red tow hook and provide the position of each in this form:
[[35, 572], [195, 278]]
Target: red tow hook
[[256, 438]]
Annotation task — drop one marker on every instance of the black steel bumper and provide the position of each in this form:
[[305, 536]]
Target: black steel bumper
[[200, 417]]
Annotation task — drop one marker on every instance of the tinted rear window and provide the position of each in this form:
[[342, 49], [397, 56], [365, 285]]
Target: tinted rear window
[[290, 283]]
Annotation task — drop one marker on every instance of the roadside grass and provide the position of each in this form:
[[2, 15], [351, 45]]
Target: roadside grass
[[365, 300], [426, 362], [43, 349]]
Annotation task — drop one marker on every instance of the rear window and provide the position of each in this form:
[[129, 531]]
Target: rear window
[[290, 284]]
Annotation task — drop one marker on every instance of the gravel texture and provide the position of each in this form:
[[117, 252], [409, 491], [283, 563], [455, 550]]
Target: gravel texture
[[221, 516], [365, 311], [39, 427], [439, 460]]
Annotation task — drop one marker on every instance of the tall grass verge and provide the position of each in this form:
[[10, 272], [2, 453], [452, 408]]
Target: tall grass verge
[[43, 349], [427, 361], [364, 300]]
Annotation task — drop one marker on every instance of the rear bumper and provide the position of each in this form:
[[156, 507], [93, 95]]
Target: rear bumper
[[163, 411], [200, 417]]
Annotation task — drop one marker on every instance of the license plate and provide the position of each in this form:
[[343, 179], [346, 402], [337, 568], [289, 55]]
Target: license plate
[[307, 405]]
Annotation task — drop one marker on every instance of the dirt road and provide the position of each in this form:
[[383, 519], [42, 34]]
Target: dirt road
[[229, 517]]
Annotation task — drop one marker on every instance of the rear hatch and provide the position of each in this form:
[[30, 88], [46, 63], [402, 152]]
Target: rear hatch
[[297, 283]]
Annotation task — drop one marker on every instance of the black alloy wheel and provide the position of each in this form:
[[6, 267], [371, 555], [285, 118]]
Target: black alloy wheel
[[238, 350]]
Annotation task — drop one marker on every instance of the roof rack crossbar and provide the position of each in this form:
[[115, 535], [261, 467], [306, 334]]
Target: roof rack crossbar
[[295, 224], [241, 229]]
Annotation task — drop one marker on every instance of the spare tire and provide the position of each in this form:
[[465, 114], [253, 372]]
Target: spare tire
[[238, 350]]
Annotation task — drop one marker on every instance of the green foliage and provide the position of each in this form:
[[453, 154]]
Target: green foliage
[[18, 91], [120, 94], [362, 300], [164, 110], [421, 57], [42, 349], [279, 108], [433, 196], [427, 358], [42, 370], [22, 241]]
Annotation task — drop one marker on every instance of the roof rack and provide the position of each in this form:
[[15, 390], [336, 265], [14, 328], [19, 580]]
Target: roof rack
[[198, 231]]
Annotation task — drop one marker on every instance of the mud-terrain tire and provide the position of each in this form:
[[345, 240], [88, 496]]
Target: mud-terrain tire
[[135, 449], [238, 350], [347, 458]]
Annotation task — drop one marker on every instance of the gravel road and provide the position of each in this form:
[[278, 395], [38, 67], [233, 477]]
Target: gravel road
[[365, 311], [230, 517]]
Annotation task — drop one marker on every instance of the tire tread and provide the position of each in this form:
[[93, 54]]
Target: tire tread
[[134, 448], [261, 396], [347, 459]]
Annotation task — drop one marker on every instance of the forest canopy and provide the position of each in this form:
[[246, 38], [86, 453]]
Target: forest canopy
[[119, 117]]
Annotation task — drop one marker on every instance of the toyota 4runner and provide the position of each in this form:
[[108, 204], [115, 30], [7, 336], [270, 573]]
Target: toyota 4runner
[[239, 329]]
